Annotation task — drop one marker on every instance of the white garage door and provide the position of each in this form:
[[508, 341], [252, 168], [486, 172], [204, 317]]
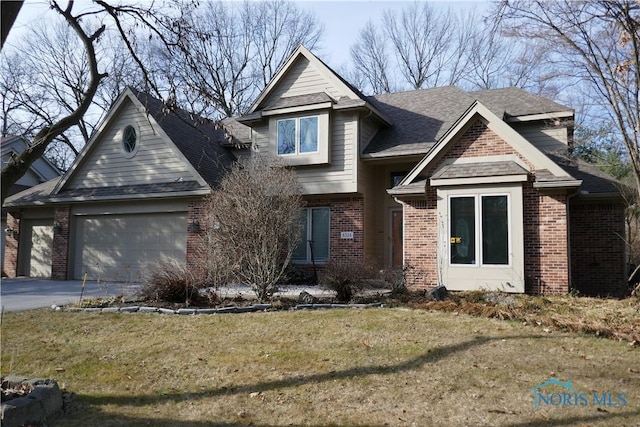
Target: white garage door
[[38, 240], [118, 247]]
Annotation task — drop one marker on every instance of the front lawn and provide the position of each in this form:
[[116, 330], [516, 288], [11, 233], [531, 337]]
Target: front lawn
[[339, 367]]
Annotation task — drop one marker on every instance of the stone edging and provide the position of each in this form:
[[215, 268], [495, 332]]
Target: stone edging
[[223, 310], [44, 401]]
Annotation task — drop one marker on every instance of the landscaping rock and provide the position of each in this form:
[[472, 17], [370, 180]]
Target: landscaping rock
[[306, 298], [207, 311], [439, 293], [499, 298], [227, 310], [44, 401]]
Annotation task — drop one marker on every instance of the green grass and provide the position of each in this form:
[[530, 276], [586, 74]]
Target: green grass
[[340, 367]]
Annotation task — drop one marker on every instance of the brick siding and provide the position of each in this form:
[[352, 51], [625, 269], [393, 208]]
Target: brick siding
[[597, 248], [546, 258], [196, 214], [346, 214], [60, 252], [10, 267], [421, 241], [545, 227]]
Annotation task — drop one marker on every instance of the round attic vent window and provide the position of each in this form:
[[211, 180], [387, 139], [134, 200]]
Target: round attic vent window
[[129, 140]]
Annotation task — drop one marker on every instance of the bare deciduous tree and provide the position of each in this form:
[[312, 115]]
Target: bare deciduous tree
[[15, 78], [422, 41], [597, 43], [371, 59], [234, 49], [89, 24], [42, 79], [417, 47], [279, 28], [253, 224]]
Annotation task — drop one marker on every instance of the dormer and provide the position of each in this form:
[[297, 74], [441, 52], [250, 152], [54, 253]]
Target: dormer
[[296, 115]]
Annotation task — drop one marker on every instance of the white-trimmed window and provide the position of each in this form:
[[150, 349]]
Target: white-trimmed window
[[314, 242], [479, 230], [298, 135], [130, 139]]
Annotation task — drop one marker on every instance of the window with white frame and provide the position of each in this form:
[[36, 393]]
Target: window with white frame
[[314, 242], [298, 135], [479, 230]]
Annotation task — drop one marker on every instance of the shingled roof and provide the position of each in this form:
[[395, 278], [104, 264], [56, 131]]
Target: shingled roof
[[515, 102], [199, 139], [594, 181], [202, 142], [421, 117]]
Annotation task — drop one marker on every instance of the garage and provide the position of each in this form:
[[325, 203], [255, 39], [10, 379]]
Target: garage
[[118, 247], [37, 241]]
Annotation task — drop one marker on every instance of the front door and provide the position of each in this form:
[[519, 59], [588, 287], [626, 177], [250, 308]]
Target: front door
[[396, 239]]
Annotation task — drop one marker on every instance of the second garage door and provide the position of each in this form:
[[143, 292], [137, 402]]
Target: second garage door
[[118, 247]]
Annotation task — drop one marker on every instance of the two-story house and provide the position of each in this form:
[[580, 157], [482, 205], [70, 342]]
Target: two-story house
[[472, 189]]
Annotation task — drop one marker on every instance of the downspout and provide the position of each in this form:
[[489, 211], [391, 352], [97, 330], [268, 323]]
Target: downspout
[[569, 197]]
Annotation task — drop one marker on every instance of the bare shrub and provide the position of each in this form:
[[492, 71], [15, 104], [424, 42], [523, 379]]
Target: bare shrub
[[346, 278], [253, 224], [397, 279], [170, 280]]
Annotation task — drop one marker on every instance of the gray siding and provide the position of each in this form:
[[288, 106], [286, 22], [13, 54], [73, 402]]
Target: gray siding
[[542, 136], [340, 175], [106, 165], [368, 129], [302, 79]]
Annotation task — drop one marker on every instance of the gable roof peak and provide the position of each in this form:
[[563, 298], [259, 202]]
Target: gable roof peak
[[324, 69], [197, 140]]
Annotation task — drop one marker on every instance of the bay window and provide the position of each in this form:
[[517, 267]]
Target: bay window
[[479, 230]]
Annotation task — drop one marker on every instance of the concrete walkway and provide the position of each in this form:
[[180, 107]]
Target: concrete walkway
[[24, 293]]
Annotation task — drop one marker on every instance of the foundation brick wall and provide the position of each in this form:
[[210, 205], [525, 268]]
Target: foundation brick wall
[[421, 241], [546, 259], [196, 213], [60, 251], [597, 248], [10, 267]]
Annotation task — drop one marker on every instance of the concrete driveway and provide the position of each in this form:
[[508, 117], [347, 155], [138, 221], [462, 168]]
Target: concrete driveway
[[24, 293]]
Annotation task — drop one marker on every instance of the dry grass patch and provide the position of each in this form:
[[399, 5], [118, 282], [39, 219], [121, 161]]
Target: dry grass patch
[[339, 367], [604, 317]]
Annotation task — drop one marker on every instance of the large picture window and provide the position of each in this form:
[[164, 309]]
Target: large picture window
[[298, 135], [483, 219], [314, 242]]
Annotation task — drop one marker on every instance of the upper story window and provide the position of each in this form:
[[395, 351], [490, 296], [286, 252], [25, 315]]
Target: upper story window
[[301, 139], [397, 177], [298, 136], [130, 140]]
